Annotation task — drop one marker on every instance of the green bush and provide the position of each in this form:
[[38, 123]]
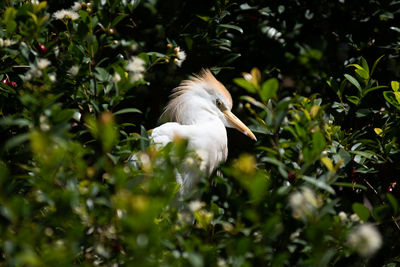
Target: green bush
[[81, 83]]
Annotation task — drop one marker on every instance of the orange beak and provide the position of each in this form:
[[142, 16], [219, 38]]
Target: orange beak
[[238, 124]]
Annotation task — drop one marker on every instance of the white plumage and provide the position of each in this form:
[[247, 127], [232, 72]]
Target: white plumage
[[200, 109]]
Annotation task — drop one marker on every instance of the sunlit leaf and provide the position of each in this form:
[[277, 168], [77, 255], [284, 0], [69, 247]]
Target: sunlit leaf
[[394, 85], [269, 89], [353, 81], [328, 163], [378, 131], [245, 84]]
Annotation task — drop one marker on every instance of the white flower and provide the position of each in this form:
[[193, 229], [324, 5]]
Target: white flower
[[7, 42], [136, 67], [354, 218], [248, 77], [124, 2], [303, 203], [43, 63], [365, 239], [221, 263], [35, 2], [342, 216], [133, 47], [27, 76], [136, 64], [44, 125], [52, 78], [68, 14], [76, 6], [134, 77], [195, 205], [37, 73], [180, 56], [116, 78], [74, 70]]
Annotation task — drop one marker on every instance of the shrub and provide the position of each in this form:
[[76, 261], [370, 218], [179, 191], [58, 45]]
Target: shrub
[[82, 82]]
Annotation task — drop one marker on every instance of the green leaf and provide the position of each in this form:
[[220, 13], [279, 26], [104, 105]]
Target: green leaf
[[229, 58], [16, 140], [381, 212], [9, 15], [397, 96], [375, 64], [353, 99], [11, 26], [274, 161], [245, 84], [365, 92], [394, 85], [345, 156], [259, 186], [353, 81], [145, 57], [102, 75], [355, 65], [319, 183], [363, 154], [364, 64], [361, 211], [328, 163], [253, 101], [393, 202], [127, 110], [230, 26], [118, 19], [351, 185], [204, 18], [319, 143], [390, 97], [269, 89], [362, 73]]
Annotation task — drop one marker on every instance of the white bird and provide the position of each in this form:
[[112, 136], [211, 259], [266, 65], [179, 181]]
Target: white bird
[[199, 111]]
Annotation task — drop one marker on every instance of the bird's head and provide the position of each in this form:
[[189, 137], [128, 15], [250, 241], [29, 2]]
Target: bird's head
[[200, 98]]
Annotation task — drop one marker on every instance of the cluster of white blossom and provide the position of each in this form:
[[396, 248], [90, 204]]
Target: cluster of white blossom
[[76, 6], [365, 239], [68, 13], [136, 68], [36, 70], [196, 205], [74, 70], [7, 42], [303, 203], [180, 56]]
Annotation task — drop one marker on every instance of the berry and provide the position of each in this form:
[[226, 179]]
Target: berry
[[5, 82], [390, 189], [42, 48], [291, 177], [13, 84]]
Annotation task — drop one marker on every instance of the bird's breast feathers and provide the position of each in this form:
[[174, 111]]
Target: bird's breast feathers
[[208, 140]]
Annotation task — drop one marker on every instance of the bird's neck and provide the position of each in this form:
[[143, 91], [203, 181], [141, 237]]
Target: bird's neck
[[198, 116]]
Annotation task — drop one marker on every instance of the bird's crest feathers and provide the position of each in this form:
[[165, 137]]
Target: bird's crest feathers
[[204, 80]]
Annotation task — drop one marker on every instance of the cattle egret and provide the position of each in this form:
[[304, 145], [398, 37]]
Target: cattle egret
[[199, 110]]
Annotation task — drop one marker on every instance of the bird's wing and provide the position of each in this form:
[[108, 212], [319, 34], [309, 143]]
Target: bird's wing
[[166, 133], [207, 140]]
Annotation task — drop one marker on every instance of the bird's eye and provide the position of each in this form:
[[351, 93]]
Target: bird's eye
[[219, 103]]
